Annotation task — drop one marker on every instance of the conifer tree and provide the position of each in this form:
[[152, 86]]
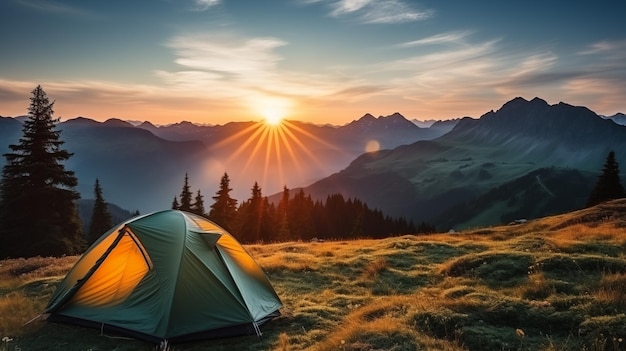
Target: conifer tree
[[224, 209], [282, 221], [256, 218], [101, 220], [251, 213], [198, 205], [300, 216], [185, 196], [608, 186], [38, 215], [175, 204]]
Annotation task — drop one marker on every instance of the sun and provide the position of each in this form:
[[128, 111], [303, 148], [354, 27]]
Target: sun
[[273, 115], [272, 109]]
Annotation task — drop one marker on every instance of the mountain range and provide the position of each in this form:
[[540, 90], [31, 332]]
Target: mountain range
[[142, 167], [525, 160], [496, 153]]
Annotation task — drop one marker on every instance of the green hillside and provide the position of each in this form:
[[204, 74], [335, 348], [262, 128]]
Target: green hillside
[[556, 283]]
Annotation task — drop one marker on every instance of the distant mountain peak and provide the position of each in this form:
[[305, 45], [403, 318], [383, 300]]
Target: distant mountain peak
[[80, 120], [116, 122], [520, 102], [146, 124], [367, 116], [183, 124], [537, 100], [522, 120], [396, 117]]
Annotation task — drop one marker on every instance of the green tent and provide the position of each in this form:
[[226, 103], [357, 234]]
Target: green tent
[[166, 276]]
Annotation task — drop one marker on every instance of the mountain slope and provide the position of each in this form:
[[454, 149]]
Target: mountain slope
[[618, 118], [424, 179], [295, 154], [137, 169], [10, 133]]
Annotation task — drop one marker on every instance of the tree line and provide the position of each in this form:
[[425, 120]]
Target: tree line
[[295, 217], [39, 217]]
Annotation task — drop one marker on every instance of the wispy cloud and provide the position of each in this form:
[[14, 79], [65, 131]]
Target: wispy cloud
[[376, 11], [443, 38], [393, 11], [226, 54], [56, 8], [465, 74], [227, 66], [203, 5], [348, 6]]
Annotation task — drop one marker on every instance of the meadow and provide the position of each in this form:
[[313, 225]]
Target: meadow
[[556, 283]]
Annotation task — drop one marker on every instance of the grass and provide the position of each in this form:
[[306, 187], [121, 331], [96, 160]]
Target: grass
[[557, 283]]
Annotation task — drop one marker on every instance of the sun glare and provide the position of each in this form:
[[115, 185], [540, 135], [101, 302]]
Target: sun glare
[[274, 149], [273, 118], [272, 109]]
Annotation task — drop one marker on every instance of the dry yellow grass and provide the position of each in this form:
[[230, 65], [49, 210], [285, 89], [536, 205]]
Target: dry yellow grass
[[612, 290], [560, 280]]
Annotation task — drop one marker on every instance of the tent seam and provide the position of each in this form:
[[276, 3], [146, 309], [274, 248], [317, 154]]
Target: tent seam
[[180, 261]]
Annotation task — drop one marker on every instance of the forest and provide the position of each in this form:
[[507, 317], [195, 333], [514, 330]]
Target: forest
[[297, 217]]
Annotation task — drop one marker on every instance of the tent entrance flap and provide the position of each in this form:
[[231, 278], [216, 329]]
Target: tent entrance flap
[[118, 275]]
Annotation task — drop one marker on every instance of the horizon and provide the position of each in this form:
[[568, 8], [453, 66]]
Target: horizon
[[319, 61]]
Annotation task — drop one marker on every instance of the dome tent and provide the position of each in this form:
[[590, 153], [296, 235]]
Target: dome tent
[[166, 276]]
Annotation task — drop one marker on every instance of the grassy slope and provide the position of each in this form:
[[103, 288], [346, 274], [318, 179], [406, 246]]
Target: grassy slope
[[557, 283]]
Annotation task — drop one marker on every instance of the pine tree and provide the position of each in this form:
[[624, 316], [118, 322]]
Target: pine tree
[[224, 209], [175, 204], [185, 196], [198, 205], [256, 221], [608, 186], [282, 221], [38, 215], [299, 216], [253, 215], [100, 217]]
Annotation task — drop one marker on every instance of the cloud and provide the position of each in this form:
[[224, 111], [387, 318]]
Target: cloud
[[55, 7], [375, 11], [348, 6], [247, 71], [481, 72], [393, 11], [226, 55], [443, 38], [203, 5]]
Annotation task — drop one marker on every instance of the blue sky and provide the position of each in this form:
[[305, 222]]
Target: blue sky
[[324, 61]]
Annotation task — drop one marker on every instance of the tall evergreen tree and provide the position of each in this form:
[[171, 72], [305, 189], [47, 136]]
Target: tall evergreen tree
[[38, 215], [608, 186], [282, 220], [198, 204], [101, 220], [224, 209], [175, 204], [185, 196], [300, 218], [256, 219], [251, 213]]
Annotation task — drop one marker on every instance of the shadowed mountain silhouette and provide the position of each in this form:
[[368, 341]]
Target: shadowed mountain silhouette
[[422, 180]]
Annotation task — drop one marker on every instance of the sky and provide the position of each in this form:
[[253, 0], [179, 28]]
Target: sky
[[322, 61]]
